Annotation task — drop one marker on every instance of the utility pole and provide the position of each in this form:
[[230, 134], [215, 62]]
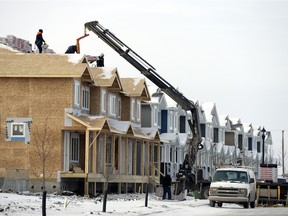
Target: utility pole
[[283, 155]]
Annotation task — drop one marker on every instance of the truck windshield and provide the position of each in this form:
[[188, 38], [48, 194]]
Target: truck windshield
[[230, 175]]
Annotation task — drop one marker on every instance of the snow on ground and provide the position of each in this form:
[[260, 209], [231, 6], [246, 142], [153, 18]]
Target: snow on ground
[[124, 204]]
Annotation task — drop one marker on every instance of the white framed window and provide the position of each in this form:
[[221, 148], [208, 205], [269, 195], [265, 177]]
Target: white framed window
[[133, 107], [85, 97], [17, 130], [112, 104], [138, 111], [159, 118], [76, 93], [155, 115], [74, 148], [103, 100], [175, 121], [119, 107], [171, 120]]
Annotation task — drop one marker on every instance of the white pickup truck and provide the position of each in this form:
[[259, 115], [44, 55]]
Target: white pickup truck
[[233, 185]]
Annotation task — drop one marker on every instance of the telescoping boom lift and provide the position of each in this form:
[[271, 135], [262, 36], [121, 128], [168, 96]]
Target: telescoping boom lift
[[150, 72]]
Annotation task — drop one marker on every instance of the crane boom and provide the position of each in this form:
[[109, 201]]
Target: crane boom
[[150, 72]]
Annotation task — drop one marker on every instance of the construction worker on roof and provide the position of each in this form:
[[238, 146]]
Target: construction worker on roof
[[39, 40]]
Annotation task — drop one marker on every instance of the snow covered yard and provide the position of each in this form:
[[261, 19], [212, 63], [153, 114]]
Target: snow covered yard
[[124, 204]]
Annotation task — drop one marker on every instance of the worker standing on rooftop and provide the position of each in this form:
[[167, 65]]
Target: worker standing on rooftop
[[39, 40]]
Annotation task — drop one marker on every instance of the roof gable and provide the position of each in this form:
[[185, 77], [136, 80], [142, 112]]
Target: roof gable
[[106, 77], [135, 87]]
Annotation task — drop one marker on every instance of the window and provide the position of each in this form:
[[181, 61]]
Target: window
[[155, 116], [203, 129], [138, 111], [112, 105], [182, 124], [76, 93], [119, 107], [159, 118], [74, 148], [18, 130], [103, 100], [171, 120], [132, 108], [85, 97], [250, 146], [258, 147], [175, 121], [215, 135], [240, 141]]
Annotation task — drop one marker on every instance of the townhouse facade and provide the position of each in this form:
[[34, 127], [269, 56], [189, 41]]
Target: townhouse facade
[[77, 126], [227, 141]]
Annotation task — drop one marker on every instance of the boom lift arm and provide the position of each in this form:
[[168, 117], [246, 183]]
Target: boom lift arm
[[150, 72]]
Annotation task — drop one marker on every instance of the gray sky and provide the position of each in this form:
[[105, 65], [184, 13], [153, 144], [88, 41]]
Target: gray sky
[[231, 52]]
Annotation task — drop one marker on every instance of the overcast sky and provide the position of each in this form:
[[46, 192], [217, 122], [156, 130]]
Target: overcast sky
[[231, 52]]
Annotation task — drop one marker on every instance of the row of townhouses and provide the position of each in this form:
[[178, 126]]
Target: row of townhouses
[[79, 127]]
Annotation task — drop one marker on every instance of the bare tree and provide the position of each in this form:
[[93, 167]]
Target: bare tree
[[42, 157], [108, 176]]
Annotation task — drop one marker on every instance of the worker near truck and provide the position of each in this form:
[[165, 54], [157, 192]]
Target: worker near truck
[[167, 187]]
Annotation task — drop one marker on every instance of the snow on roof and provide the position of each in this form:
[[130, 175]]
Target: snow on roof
[[170, 137], [8, 48], [222, 120], [119, 125], [247, 127], [208, 107], [183, 138], [74, 58], [170, 102]]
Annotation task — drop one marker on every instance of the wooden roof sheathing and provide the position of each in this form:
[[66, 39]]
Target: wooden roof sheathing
[[135, 87], [106, 77], [17, 64]]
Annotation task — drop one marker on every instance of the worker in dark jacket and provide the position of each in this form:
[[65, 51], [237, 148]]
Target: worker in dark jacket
[[100, 60], [166, 187], [39, 40], [71, 49]]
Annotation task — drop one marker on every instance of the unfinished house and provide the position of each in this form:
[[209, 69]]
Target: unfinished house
[[75, 126]]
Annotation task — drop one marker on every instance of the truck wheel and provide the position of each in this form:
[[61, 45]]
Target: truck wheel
[[205, 192], [246, 205], [212, 203], [252, 204], [219, 204]]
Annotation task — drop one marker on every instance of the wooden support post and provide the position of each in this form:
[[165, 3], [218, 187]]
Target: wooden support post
[[152, 161], [147, 159], [126, 158], [134, 157], [112, 154], [86, 184], [142, 158], [104, 154], [159, 159], [119, 166], [94, 153]]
